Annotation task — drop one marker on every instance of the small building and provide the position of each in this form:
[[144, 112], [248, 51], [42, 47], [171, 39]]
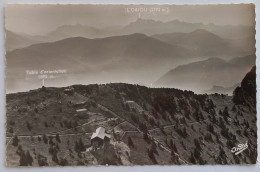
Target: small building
[[81, 110], [129, 101], [79, 104], [81, 113], [69, 91], [99, 137]]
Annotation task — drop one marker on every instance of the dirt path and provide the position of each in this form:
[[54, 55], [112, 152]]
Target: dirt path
[[172, 125], [149, 135], [40, 135]]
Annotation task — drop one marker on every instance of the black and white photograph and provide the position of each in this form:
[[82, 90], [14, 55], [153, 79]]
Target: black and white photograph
[[130, 85]]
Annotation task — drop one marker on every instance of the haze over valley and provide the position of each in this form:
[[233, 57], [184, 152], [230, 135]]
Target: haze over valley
[[141, 51]]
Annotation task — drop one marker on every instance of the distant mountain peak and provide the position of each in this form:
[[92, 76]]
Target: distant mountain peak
[[202, 75], [145, 21], [201, 31], [175, 21], [215, 59], [137, 34], [204, 32]]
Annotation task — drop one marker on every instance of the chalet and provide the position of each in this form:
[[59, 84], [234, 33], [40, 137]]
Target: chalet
[[99, 137]]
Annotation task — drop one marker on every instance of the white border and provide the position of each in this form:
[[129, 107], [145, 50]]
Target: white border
[[190, 168]]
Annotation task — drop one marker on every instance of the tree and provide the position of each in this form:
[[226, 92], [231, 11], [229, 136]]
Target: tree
[[46, 124], [222, 156], [23, 159], [183, 145], [11, 130], [127, 108], [50, 140], [210, 128], [39, 139], [238, 97], [61, 124], [55, 158], [208, 137], [153, 148], [53, 150], [192, 158], [142, 127], [28, 125], [174, 158], [29, 158], [130, 142], [174, 148], [162, 130], [79, 146], [146, 137], [152, 122], [57, 138], [19, 150], [197, 144], [151, 156], [45, 139], [225, 112], [144, 106], [63, 162], [42, 160], [15, 141], [171, 144], [135, 118]]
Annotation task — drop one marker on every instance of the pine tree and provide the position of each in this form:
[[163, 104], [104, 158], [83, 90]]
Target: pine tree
[[151, 156], [146, 138], [130, 142], [171, 144], [23, 159], [42, 160], [15, 141], [29, 158], [57, 138], [45, 139]]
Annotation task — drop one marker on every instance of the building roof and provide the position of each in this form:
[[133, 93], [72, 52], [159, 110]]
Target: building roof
[[81, 110], [130, 101], [100, 133], [69, 89]]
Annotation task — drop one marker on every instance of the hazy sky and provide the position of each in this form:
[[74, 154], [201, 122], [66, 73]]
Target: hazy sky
[[40, 19]]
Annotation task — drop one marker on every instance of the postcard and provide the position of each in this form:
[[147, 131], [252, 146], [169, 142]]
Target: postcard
[[128, 85]]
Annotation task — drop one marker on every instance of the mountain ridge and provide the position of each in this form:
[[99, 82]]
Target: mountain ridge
[[149, 27], [213, 71]]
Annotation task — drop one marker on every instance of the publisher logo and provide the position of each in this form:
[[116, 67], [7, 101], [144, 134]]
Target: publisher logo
[[240, 148]]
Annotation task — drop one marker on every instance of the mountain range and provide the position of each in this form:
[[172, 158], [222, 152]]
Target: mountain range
[[202, 75], [148, 27], [17, 40], [205, 43], [129, 58], [152, 27], [126, 49], [142, 52]]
